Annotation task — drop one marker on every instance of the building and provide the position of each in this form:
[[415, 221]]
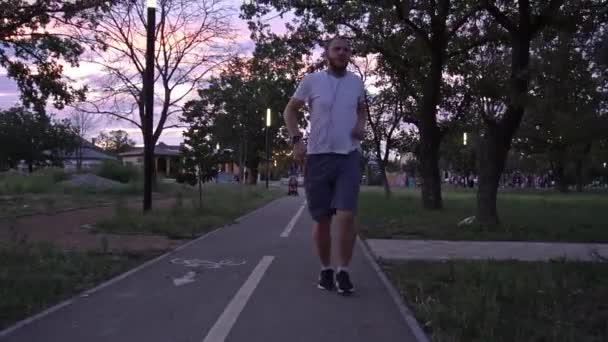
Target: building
[[168, 160], [88, 154]]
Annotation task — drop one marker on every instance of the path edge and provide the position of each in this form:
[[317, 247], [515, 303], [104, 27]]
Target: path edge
[[27, 321], [406, 313]]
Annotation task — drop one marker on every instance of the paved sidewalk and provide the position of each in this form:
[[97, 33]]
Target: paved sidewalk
[[478, 250], [251, 282]]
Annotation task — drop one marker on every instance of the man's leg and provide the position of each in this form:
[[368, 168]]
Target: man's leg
[[345, 221], [346, 200], [319, 192], [322, 238]]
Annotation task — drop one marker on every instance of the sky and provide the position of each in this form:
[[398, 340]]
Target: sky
[[9, 94]]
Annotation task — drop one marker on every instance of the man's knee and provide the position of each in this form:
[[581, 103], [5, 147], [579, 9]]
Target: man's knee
[[345, 214], [323, 223]]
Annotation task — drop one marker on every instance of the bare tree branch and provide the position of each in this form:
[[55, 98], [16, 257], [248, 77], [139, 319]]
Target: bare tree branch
[[403, 14], [193, 38], [500, 17], [463, 20]]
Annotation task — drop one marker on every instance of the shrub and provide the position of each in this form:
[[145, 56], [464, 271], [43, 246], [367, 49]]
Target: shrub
[[16, 183], [56, 174], [118, 172], [188, 178]]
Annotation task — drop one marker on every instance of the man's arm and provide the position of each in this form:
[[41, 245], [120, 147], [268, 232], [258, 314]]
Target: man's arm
[[291, 120], [359, 130], [291, 116], [361, 114]]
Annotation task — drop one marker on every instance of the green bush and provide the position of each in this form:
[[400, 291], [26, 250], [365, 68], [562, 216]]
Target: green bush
[[186, 177], [56, 174], [16, 183], [118, 172]]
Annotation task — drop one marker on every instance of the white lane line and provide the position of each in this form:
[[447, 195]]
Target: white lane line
[[293, 222], [221, 328]]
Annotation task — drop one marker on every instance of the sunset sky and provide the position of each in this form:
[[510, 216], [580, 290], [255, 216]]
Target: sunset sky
[[9, 94]]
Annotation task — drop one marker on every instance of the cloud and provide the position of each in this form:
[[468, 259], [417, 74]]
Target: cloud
[[88, 72], [9, 93]]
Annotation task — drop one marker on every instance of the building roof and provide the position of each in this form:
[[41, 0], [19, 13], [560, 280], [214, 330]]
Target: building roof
[[161, 149], [90, 152]]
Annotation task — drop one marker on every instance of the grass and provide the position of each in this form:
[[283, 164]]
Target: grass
[[506, 301], [185, 219], [31, 204], [42, 193], [39, 182], [33, 277], [537, 216]]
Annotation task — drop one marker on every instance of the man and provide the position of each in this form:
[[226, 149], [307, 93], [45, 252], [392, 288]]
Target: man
[[336, 99]]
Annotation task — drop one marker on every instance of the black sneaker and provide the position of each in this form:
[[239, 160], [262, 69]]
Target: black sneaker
[[326, 280], [343, 283]]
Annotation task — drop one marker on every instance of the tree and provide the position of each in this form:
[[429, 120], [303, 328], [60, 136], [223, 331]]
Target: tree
[[193, 38], [415, 41], [117, 141], [386, 115], [199, 147], [34, 46], [238, 98], [504, 90], [82, 123], [564, 117], [34, 138], [385, 118]]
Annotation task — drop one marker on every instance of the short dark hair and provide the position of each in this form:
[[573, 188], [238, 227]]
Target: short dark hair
[[333, 39]]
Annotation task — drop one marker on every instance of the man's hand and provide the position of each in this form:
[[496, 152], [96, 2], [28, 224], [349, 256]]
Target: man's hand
[[358, 133], [299, 152]]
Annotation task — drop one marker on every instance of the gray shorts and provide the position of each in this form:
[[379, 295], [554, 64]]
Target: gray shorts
[[332, 183]]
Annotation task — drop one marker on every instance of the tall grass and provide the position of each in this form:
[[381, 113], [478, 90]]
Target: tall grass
[[525, 216], [42, 181], [503, 301], [186, 219], [118, 172], [35, 276]]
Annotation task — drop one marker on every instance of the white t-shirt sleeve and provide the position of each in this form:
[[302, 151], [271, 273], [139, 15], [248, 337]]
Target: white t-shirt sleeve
[[304, 89]]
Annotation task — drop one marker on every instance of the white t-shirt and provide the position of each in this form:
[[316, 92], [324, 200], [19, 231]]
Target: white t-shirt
[[333, 110]]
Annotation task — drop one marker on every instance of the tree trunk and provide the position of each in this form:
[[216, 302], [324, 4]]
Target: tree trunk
[[430, 135], [492, 158], [579, 175], [253, 175], [79, 157], [561, 183], [200, 187], [382, 163], [579, 167], [559, 170], [253, 164], [429, 168], [30, 166], [498, 135], [387, 186]]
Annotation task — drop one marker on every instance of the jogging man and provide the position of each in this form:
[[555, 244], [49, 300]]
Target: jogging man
[[335, 98]]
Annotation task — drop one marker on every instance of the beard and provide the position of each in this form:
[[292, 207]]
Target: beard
[[337, 66]]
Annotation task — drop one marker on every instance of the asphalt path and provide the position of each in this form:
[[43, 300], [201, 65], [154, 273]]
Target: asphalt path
[[251, 281]]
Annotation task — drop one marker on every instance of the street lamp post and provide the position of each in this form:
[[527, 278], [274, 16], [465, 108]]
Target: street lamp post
[[148, 92], [268, 123]]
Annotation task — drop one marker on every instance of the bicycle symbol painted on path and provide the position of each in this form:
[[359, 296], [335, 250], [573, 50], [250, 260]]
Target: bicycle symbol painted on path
[[207, 263]]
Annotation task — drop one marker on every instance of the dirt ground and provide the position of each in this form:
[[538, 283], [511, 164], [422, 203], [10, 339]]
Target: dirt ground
[[68, 231]]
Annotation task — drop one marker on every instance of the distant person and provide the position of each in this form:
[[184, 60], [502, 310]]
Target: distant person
[[336, 100]]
